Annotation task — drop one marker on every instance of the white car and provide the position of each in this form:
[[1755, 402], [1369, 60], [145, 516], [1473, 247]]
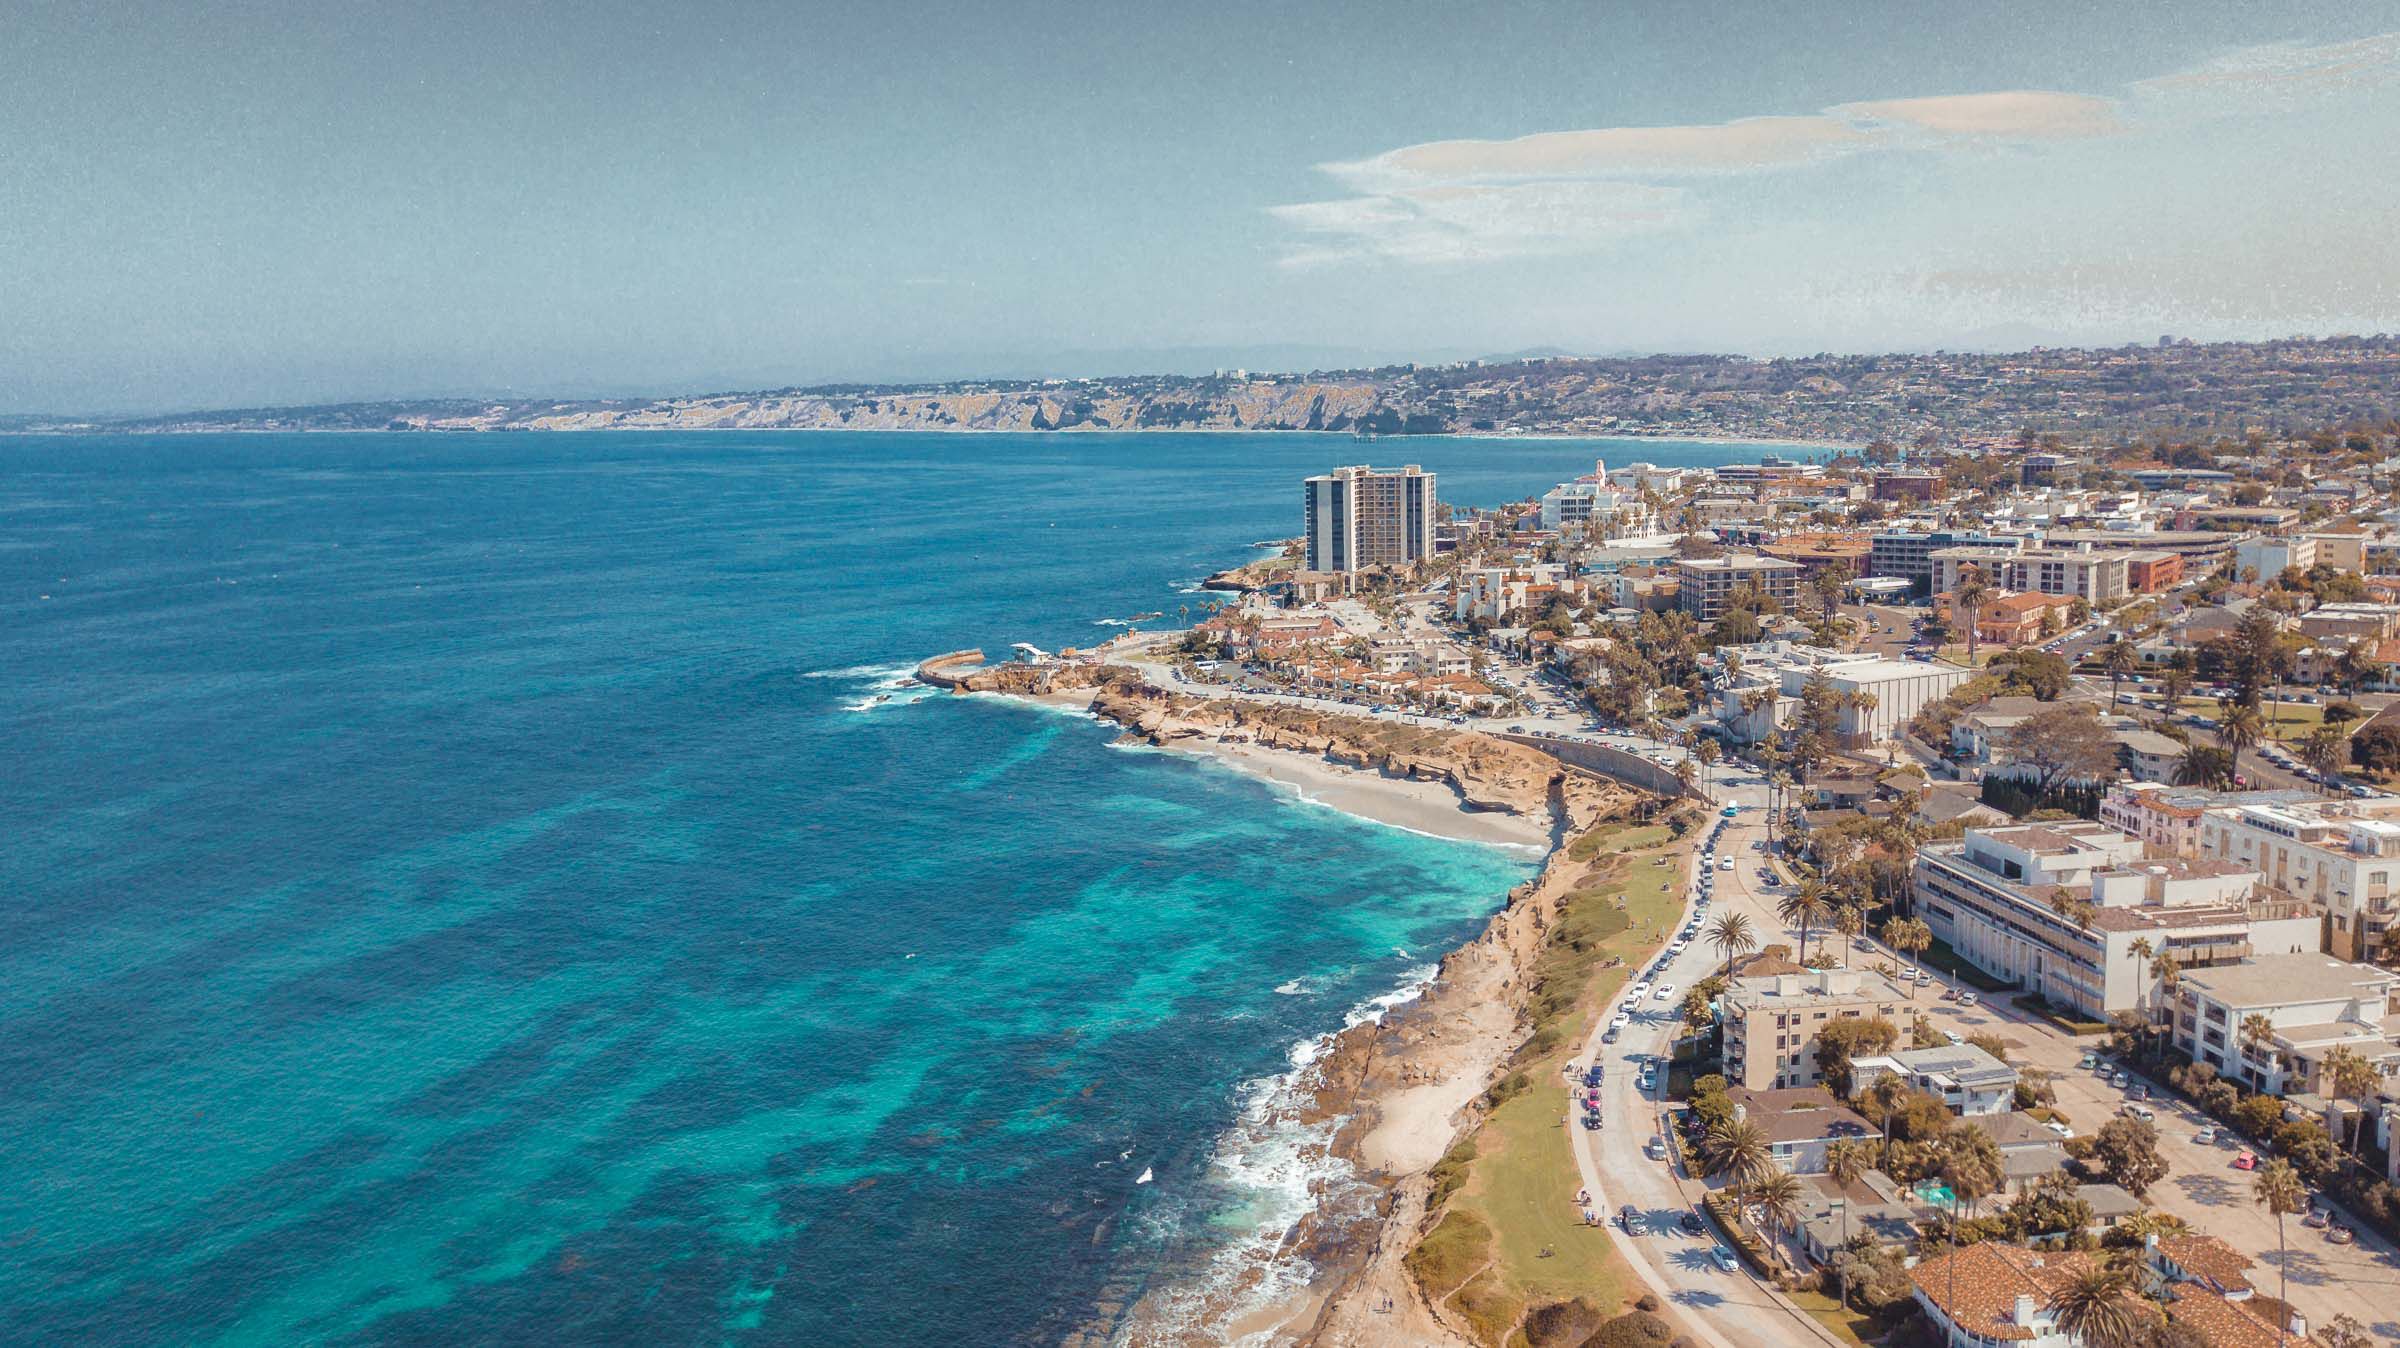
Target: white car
[[1620, 1022], [1665, 993], [1638, 990], [1723, 1259], [1726, 864]]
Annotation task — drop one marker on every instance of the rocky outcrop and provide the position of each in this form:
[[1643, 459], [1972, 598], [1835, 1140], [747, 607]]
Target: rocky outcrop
[[1487, 773]]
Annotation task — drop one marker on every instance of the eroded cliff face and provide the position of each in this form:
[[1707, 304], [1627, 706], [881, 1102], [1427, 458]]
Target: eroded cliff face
[[1298, 405], [1487, 773]]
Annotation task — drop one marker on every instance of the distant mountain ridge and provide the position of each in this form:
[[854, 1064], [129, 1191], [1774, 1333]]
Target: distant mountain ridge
[[2216, 388]]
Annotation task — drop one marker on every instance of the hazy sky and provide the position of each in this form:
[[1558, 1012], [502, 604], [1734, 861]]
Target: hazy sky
[[209, 204]]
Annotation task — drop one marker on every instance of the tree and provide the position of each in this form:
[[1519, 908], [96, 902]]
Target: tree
[[1802, 906], [2255, 1032], [2323, 748], [1738, 1150], [1850, 920], [2204, 765], [1778, 1197], [2120, 658], [2141, 950], [1846, 1161], [2127, 1152], [2175, 683], [1731, 934], [1842, 1042], [2238, 727], [2352, 1078], [1908, 936], [2377, 748], [2061, 743], [2098, 1306], [1971, 1164], [2279, 1191], [1968, 597]]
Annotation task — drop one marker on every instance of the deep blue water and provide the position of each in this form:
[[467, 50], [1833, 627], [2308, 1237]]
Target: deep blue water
[[461, 889]]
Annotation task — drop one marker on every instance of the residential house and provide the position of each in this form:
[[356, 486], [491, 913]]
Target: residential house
[[2311, 1004]]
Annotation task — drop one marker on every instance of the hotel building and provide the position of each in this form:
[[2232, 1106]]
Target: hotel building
[[2314, 1004], [1362, 517], [1704, 584], [2056, 908]]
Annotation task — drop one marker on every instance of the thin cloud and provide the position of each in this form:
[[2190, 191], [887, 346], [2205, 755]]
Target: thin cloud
[[1558, 192]]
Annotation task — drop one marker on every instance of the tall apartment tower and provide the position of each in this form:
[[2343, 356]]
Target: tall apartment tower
[[1360, 517]]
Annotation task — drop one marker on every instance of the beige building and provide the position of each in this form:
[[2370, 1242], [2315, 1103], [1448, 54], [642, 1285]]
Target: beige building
[[1359, 517], [1705, 583], [2341, 855], [2097, 576], [1771, 1022], [2312, 1004]]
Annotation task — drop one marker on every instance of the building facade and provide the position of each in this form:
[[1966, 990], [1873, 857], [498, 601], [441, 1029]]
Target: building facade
[[1360, 517], [2307, 1004], [1705, 584], [1771, 1021], [2056, 909], [2342, 856]]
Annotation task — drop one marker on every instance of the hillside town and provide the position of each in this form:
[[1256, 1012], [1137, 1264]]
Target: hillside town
[[2036, 977]]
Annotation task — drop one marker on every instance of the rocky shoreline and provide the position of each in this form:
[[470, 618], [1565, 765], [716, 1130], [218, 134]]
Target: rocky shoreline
[[1396, 1088]]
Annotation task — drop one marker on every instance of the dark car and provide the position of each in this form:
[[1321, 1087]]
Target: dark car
[[1692, 1222], [1630, 1217]]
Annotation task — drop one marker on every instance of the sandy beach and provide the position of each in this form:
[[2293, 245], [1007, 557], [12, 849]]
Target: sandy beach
[[1418, 806]]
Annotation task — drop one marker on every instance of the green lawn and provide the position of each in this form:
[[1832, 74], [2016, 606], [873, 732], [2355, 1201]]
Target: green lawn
[[1940, 956], [1521, 1184], [2282, 720], [1852, 1325]]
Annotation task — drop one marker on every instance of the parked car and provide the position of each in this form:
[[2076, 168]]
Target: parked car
[[1967, 999], [1665, 993], [2340, 1234], [1630, 1217], [2242, 1160], [2146, 1114], [1692, 1221], [2061, 1129], [1656, 1149], [2317, 1217], [1723, 1259], [2140, 1092], [2206, 1137]]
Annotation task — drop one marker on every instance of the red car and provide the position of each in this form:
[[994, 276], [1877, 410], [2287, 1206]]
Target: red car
[[2245, 1161]]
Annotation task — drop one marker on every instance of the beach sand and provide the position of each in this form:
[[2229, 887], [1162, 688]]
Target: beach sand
[[1402, 802]]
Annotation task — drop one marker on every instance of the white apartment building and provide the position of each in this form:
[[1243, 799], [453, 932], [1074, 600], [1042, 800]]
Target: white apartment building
[[1899, 689], [1360, 517], [1909, 555], [1493, 592], [2313, 1004], [2341, 855], [2270, 556], [1599, 510], [1651, 477], [2097, 576], [2055, 908], [1704, 584], [1962, 1076], [2168, 819]]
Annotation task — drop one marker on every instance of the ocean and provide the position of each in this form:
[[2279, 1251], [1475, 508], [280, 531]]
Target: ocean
[[498, 888]]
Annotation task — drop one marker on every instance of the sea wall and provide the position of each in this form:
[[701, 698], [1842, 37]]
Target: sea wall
[[1616, 764]]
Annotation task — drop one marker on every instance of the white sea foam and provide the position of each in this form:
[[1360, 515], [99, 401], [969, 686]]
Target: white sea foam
[[1112, 622], [1267, 1173], [886, 685], [860, 672]]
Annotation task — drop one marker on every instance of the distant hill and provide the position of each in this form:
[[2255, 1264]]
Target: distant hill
[[2082, 393]]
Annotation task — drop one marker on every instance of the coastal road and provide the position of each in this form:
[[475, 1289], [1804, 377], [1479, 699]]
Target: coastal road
[[1724, 1308]]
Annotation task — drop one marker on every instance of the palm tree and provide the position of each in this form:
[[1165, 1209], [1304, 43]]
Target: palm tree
[[1731, 933], [1886, 1094], [2352, 1078], [1778, 1199], [2098, 1306], [1845, 1161], [2278, 1190], [1849, 919], [1705, 747], [1908, 936], [1738, 1150], [2322, 749], [2151, 1222], [2237, 729], [2141, 950], [1968, 597], [1686, 773], [2120, 658], [1802, 906], [2174, 684], [2256, 1030]]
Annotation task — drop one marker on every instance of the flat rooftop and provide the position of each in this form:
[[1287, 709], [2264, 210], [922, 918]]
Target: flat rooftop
[[2273, 980]]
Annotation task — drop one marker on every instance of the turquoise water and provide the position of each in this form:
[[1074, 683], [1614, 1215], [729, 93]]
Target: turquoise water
[[465, 889]]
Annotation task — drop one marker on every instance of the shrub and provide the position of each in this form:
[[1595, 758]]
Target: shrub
[[1634, 1329], [1450, 1172], [1649, 1302], [1562, 1324]]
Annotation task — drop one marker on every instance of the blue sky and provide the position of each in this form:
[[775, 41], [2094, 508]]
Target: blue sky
[[212, 204]]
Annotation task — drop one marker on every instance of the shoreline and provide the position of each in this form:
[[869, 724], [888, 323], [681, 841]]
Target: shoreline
[[1563, 437], [1392, 1086]]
